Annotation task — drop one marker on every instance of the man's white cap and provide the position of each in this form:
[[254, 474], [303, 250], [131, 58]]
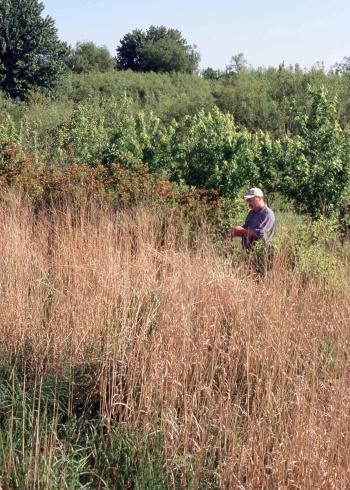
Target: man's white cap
[[254, 192]]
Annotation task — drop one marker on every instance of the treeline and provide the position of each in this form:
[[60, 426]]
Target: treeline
[[258, 99], [206, 150], [158, 69]]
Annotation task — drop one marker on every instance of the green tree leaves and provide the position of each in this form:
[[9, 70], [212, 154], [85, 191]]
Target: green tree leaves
[[315, 165], [87, 57], [31, 54], [158, 49]]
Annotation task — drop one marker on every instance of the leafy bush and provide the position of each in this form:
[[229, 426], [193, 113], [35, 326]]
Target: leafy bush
[[119, 185], [204, 150], [315, 165], [208, 150], [311, 247], [167, 95]]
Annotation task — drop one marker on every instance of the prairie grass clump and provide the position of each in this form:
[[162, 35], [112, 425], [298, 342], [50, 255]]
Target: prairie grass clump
[[136, 354]]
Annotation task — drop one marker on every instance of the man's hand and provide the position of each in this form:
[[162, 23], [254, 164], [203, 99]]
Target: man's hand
[[238, 231]]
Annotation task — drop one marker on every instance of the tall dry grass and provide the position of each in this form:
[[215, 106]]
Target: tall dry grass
[[245, 380]]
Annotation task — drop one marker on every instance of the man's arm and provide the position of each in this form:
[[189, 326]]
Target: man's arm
[[241, 231]]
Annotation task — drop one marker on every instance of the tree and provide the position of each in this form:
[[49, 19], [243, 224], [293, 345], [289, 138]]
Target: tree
[[343, 67], [31, 55], [238, 63], [158, 49], [211, 74], [129, 53], [87, 57], [315, 165]]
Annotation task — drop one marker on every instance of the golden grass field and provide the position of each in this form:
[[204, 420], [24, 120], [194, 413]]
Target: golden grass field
[[246, 379]]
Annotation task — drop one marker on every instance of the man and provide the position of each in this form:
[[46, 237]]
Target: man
[[259, 223]]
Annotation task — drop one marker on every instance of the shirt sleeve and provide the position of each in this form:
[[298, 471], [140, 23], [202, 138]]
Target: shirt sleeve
[[264, 227]]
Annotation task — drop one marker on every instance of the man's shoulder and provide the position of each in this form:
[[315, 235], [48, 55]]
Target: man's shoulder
[[266, 211]]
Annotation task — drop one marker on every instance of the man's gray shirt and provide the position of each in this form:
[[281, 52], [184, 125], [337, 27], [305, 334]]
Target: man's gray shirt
[[262, 222]]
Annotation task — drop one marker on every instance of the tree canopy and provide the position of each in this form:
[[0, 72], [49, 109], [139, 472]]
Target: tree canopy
[[31, 55], [86, 57], [159, 49]]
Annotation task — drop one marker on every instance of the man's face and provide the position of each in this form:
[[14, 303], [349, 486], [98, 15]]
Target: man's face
[[255, 203]]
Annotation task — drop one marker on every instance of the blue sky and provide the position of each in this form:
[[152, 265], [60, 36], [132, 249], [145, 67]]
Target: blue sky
[[267, 32]]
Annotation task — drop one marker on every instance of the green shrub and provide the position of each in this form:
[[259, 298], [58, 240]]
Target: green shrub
[[310, 249], [315, 166]]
